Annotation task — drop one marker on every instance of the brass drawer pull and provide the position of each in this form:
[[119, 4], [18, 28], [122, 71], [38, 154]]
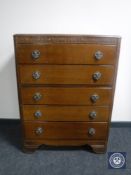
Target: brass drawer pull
[[35, 54], [91, 131], [36, 75], [38, 114], [37, 96], [39, 131], [96, 76], [94, 98], [92, 115], [98, 55]]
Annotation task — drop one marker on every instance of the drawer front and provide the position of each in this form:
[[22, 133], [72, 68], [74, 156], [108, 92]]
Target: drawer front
[[65, 130], [66, 53], [66, 74], [69, 96], [65, 113]]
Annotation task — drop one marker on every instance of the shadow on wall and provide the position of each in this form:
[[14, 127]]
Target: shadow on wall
[[8, 90]]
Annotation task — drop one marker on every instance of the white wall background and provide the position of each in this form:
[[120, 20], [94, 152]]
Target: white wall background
[[65, 17]]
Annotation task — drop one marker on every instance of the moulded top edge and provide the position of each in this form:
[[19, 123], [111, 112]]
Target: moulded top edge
[[65, 38]]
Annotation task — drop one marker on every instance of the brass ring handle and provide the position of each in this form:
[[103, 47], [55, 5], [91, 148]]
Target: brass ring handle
[[98, 55], [35, 54], [36, 75]]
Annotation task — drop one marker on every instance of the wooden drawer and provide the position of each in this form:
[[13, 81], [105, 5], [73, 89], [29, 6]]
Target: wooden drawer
[[66, 95], [65, 113], [66, 74], [65, 130], [66, 53]]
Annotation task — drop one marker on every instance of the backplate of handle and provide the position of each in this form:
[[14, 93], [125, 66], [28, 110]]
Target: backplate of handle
[[35, 54], [98, 55], [37, 96]]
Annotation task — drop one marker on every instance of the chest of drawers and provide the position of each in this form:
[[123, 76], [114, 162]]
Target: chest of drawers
[[66, 87]]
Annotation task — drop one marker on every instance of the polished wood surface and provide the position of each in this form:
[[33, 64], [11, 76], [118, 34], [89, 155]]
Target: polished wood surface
[[66, 96], [66, 74], [66, 53], [66, 39], [66, 66], [65, 113], [65, 130]]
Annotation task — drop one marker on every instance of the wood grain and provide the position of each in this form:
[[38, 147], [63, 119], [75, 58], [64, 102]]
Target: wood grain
[[65, 130], [66, 74], [65, 38], [66, 96], [66, 53], [65, 113]]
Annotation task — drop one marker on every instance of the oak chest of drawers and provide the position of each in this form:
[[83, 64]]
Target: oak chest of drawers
[[66, 87]]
